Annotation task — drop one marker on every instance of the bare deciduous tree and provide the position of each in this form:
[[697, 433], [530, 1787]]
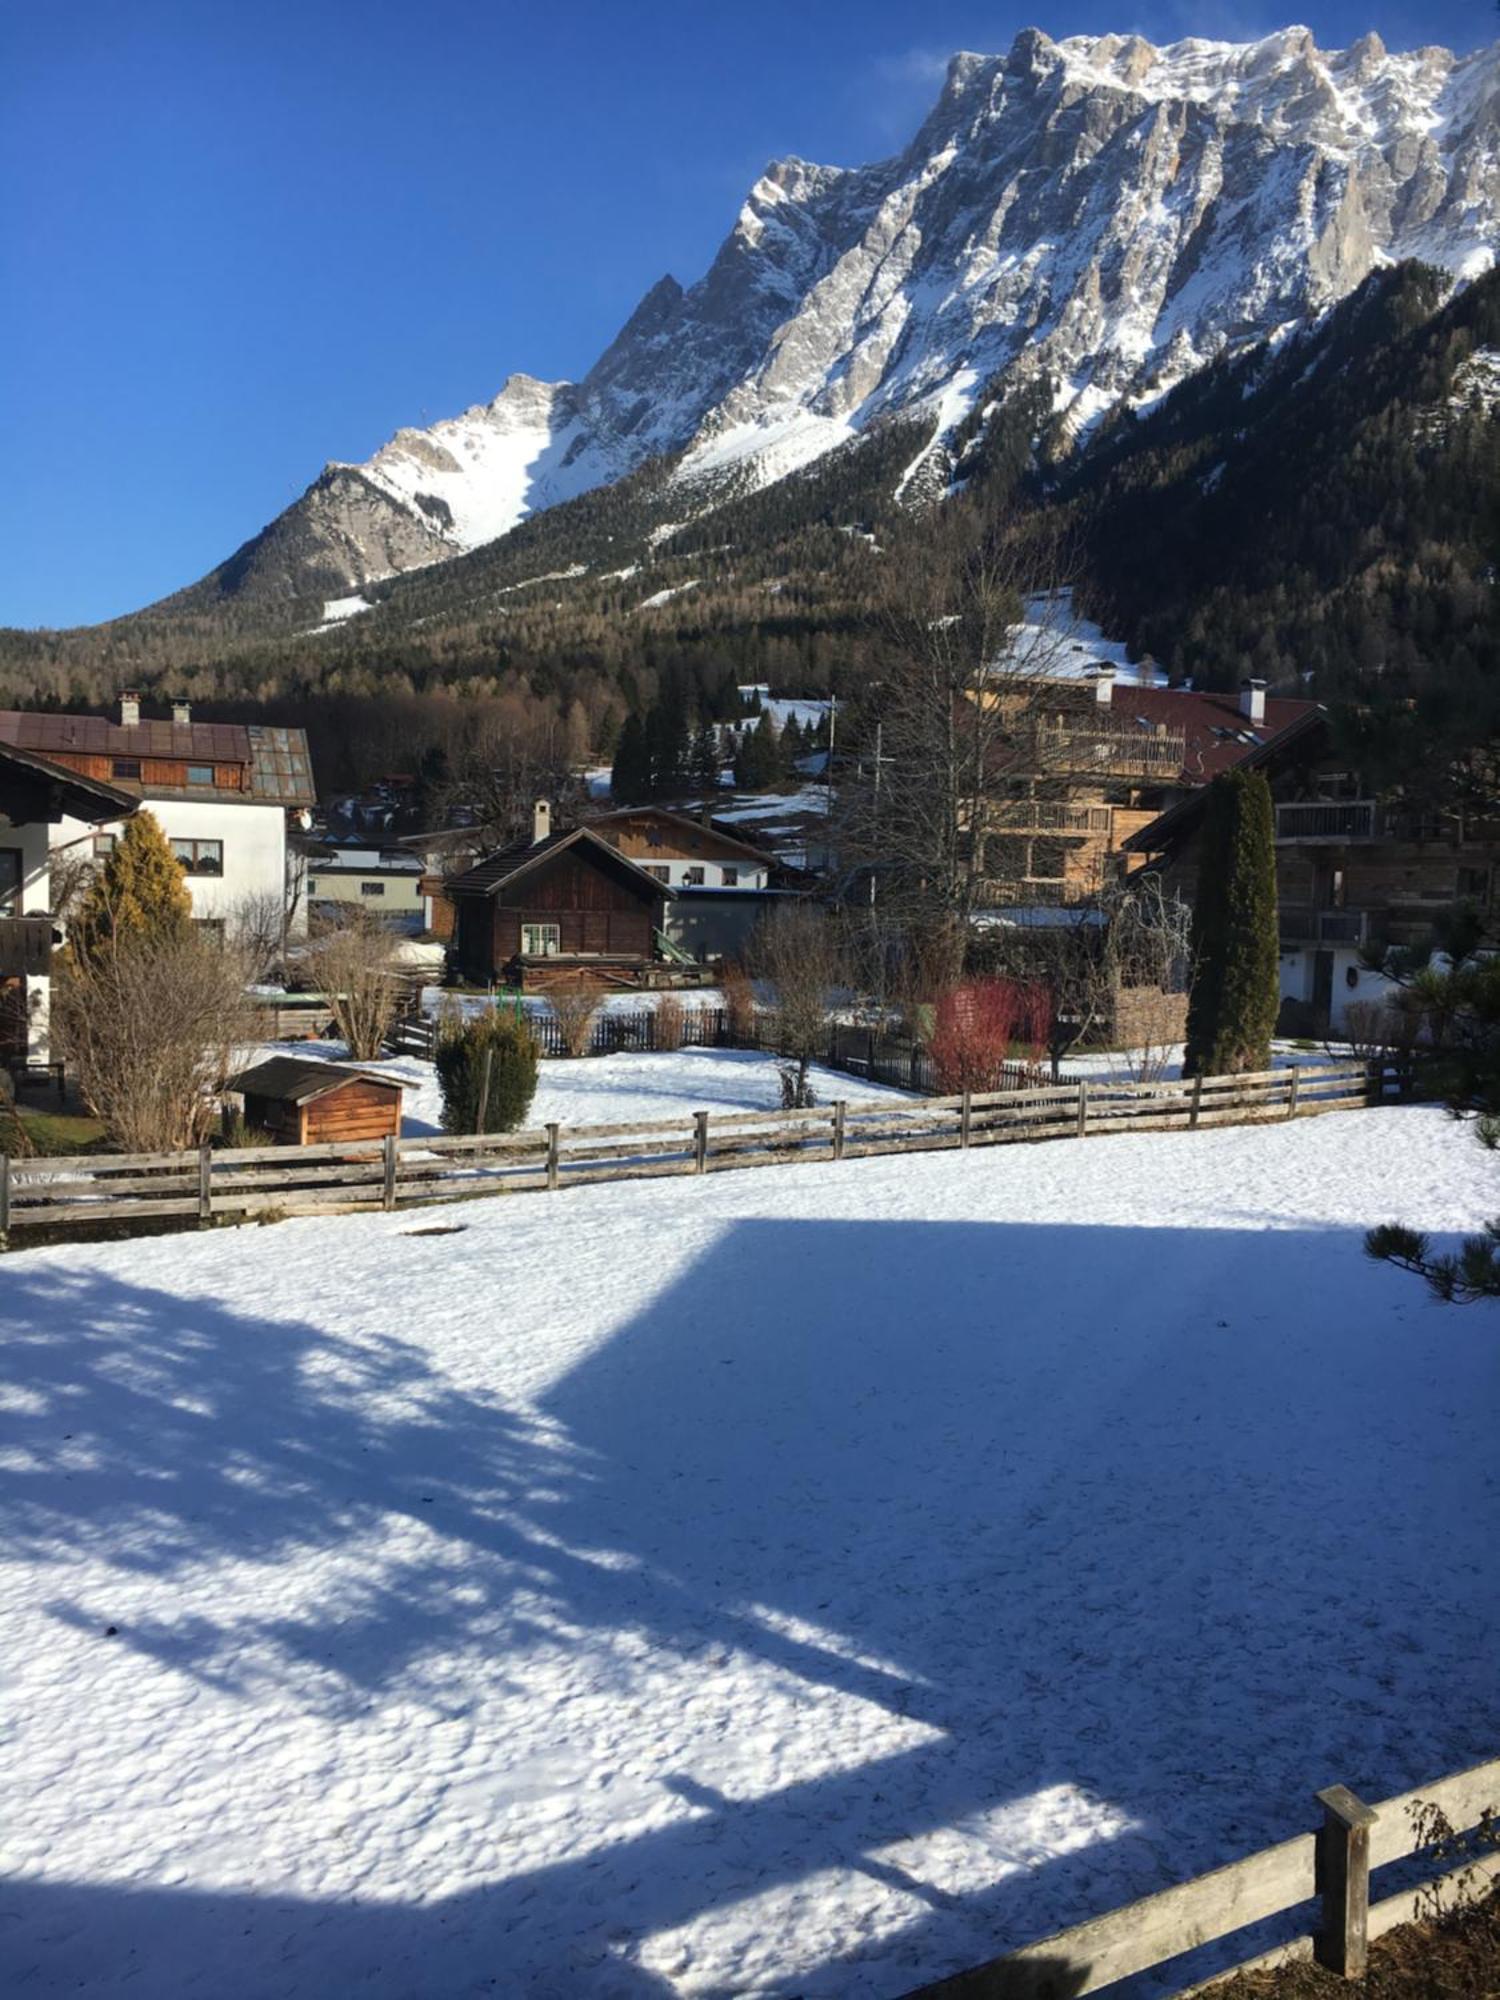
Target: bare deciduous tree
[[152, 1026], [964, 728], [798, 951], [354, 962]]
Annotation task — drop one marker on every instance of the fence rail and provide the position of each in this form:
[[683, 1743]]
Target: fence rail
[[1334, 1865], [84, 1191]]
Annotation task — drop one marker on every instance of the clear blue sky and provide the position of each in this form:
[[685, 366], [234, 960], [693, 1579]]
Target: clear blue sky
[[241, 237]]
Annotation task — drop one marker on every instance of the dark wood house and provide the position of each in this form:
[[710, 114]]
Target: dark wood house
[[303, 1102], [564, 906]]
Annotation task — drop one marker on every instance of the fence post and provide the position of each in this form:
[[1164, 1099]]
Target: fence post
[[839, 1108], [1343, 1881], [1083, 1109], [482, 1108], [551, 1156], [388, 1160], [914, 1084], [700, 1142], [4, 1201], [1197, 1100], [963, 1121], [205, 1182], [1291, 1096]]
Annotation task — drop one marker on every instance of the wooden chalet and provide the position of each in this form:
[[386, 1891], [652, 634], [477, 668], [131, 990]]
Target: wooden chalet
[[563, 907], [302, 1102], [1356, 874]]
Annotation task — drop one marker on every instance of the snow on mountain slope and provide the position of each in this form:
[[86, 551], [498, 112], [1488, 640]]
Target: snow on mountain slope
[[1107, 213]]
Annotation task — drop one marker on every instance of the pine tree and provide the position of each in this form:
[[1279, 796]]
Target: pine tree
[[630, 779], [139, 889], [703, 770], [667, 741], [1236, 983]]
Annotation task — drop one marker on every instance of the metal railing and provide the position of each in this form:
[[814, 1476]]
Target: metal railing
[[1298, 926], [1327, 819]]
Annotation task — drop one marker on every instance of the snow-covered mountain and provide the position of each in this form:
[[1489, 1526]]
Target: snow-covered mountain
[[1099, 210]]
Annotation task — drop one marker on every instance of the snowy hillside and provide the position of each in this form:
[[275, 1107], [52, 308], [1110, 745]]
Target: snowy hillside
[[807, 1581], [1100, 211]]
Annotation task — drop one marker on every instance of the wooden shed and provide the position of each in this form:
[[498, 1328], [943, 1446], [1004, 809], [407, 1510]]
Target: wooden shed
[[307, 1103]]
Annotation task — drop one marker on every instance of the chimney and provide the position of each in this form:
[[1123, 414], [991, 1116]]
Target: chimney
[[1253, 700], [541, 822], [182, 714], [1104, 686], [130, 708]]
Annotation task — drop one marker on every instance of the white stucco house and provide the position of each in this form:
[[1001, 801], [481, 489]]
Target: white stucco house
[[37, 799], [223, 793]]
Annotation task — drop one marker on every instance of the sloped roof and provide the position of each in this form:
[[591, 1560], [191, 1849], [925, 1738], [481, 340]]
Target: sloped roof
[[497, 871], [298, 1079], [1181, 817], [688, 825], [97, 736], [1216, 735], [84, 798], [280, 766]]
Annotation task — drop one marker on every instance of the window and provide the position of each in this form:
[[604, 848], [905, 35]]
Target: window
[[10, 881], [312, 887], [658, 872], [372, 888], [692, 878], [200, 774], [541, 940], [211, 927], [200, 857], [731, 878], [1474, 885], [126, 767], [653, 836], [1049, 861], [104, 845]]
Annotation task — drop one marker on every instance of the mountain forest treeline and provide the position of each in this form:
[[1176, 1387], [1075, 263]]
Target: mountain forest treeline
[[1322, 512]]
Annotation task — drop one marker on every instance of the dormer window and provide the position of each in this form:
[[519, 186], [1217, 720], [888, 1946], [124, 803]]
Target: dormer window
[[200, 774], [126, 767]]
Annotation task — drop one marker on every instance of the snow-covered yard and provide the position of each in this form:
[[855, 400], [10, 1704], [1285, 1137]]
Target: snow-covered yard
[[795, 1582]]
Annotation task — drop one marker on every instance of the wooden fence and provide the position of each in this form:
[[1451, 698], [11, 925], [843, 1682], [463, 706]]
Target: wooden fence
[[874, 1053], [1333, 1865], [84, 1191]]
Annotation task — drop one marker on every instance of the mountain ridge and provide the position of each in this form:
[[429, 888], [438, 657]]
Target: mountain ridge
[[1097, 212]]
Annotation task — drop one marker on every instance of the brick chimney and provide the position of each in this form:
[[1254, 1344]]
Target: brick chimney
[[541, 822], [1253, 700], [182, 714], [130, 708], [1104, 686]]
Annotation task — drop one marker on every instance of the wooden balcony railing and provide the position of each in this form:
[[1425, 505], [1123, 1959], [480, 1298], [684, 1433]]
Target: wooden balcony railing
[[1114, 752], [1302, 926], [25, 946], [1330, 819], [1050, 816]]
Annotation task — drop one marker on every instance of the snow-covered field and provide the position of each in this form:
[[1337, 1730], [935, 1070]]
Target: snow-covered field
[[803, 1581]]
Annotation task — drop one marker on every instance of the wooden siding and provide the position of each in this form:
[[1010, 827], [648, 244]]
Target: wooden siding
[[674, 843], [163, 774], [598, 913], [360, 1110]]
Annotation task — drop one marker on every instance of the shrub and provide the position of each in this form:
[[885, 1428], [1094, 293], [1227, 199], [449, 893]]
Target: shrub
[[460, 1063], [671, 1021], [978, 1027], [354, 961], [739, 1006], [151, 1025], [575, 1009]]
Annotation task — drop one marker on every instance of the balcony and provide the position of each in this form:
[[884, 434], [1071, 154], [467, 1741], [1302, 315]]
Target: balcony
[[25, 946], [1022, 892], [1327, 927], [1158, 755], [1333, 820], [1050, 816]]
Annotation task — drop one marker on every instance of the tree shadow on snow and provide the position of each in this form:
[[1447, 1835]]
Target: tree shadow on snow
[[1042, 1495]]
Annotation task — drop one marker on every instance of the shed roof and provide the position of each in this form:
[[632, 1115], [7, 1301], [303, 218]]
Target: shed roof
[[300, 1079], [499, 870]]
